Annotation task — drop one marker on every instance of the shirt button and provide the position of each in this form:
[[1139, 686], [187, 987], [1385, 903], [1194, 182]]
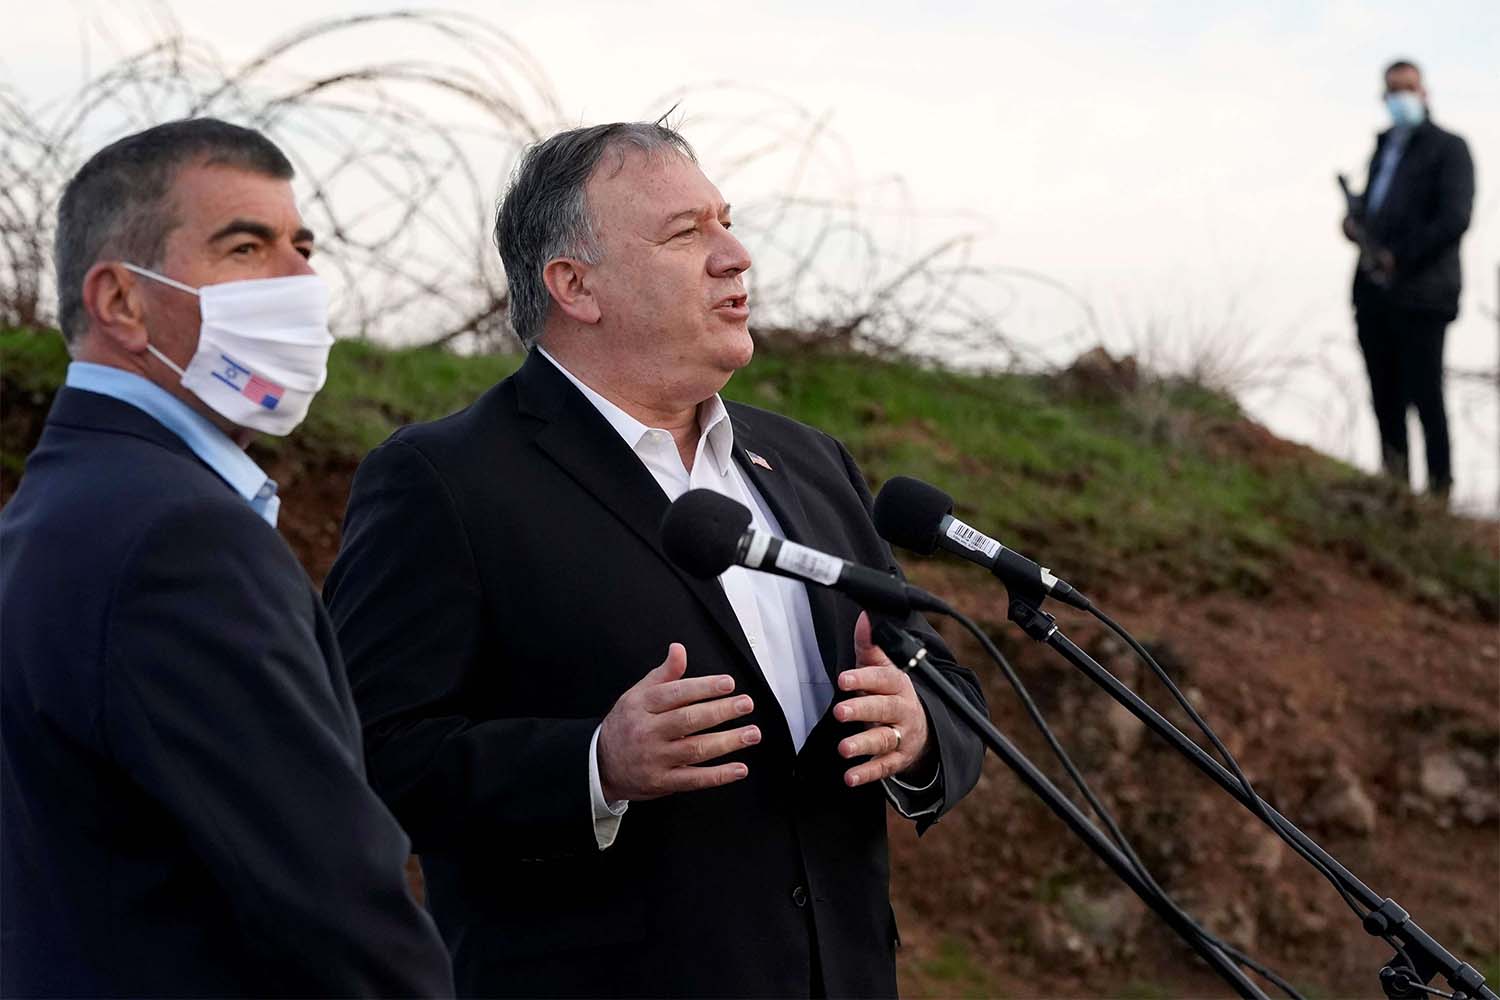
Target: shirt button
[[799, 896]]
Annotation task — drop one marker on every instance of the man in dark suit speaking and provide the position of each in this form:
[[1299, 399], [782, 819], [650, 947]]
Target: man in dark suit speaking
[[185, 810], [623, 780], [1415, 210]]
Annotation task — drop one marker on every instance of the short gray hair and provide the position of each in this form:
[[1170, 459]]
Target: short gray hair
[[545, 214], [117, 205]]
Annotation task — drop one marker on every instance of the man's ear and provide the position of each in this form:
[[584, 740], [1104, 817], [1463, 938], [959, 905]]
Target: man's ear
[[567, 281], [113, 300]]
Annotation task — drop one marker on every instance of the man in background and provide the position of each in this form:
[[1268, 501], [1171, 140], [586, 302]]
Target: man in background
[[1415, 209], [624, 780], [185, 810]]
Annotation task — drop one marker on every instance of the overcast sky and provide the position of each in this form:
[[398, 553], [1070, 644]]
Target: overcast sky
[[1171, 162]]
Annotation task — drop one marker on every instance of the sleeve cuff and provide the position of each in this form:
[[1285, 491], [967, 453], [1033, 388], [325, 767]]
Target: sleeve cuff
[[912, 801], [606, 814]]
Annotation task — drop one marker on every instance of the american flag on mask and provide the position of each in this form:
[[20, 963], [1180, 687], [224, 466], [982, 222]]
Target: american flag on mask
[[263, 391], [248, 384]]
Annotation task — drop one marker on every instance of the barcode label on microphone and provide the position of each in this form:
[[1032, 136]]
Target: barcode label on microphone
[[976, 541], [808, 563]]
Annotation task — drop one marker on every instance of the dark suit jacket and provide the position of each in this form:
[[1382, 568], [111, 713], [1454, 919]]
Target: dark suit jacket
[[185, 811], [1425, 212], [501, 584]]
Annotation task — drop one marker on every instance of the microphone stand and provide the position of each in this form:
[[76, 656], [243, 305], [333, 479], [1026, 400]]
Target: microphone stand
[[1421, 956], [910, 655]]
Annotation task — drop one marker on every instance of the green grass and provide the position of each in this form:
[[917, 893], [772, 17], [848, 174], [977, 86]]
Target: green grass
[[1489, 968], [32, 361], [953, 972], [1166, 485], [371, 392], [1049, 888], [1069, 478], [1151, 484]]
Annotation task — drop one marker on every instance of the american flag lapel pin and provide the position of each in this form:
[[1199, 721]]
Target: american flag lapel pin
[[757, 460]]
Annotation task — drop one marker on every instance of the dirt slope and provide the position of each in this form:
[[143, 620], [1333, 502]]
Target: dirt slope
[[1369, 719], [1369, 722]]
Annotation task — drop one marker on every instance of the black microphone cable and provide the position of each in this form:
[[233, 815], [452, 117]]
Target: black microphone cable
[[913, 514], [1255, 801], [704, 531], [918, 516], [1115, 833]]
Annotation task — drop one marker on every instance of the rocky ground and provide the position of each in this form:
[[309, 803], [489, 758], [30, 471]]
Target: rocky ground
[[1371, 723], [1365, 709], [1368, 718]]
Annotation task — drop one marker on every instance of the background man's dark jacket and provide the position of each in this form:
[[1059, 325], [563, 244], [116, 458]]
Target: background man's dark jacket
[[184, 806], [1425, 212], [501, 584]]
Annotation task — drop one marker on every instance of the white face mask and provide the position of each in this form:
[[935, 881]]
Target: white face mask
[[262, 348]]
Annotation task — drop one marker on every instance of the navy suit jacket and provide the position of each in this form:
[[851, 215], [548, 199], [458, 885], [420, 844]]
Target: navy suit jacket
[[1424, 215], [501, 584], [185, 810]]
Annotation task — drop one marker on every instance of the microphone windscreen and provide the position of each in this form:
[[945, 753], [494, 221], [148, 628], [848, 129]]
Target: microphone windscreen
[[909, 512], [701, 532]]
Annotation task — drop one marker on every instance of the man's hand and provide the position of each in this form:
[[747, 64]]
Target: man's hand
[[1385, 264], [896, 732], [649, 743]]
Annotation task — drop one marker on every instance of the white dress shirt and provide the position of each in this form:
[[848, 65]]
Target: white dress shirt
[[773, 611]]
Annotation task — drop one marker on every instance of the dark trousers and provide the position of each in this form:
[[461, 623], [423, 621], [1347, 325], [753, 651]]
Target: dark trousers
[[1403, 351]]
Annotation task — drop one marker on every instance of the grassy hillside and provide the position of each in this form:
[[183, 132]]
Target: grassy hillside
[[1155, 484], [1339, 633]]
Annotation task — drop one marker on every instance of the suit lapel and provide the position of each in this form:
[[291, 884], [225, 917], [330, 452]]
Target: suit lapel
[[577, 438], [773, 479]]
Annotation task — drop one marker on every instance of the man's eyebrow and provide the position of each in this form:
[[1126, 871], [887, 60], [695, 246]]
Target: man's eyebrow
[[246, 227], [693, 213], [686, 213], [259, 230]]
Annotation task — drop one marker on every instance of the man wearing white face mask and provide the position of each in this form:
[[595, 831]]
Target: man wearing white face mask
[[186, 810], [1415, 209]]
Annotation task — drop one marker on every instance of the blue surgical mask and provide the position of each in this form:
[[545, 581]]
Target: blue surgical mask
[[1406, 107]]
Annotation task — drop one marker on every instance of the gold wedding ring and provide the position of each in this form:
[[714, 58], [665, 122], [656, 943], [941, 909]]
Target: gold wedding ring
[[898, 737]]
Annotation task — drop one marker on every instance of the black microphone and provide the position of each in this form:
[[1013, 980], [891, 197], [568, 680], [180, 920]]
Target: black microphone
[[705, 533], [919, 516]]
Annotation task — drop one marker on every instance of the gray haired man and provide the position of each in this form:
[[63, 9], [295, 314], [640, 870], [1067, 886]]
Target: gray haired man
[[624, 780], [185, 806]]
